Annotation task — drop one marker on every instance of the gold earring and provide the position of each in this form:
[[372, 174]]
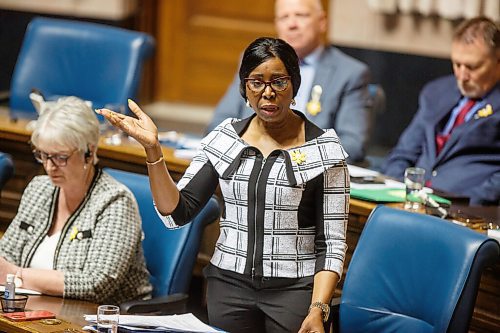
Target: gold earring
[[293, 102], [248, 103]]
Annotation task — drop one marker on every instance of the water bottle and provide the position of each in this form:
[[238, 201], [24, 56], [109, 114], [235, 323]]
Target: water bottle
[[10, 287]]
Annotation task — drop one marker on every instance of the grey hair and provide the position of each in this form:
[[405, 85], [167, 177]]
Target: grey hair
[[479, 28], [68, 122]]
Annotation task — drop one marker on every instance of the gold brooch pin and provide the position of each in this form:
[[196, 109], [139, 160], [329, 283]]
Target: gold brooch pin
[[74, 233], [484, 112], [298, 156], [313, 107]]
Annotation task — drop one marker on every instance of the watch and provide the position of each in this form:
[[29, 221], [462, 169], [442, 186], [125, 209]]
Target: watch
[[325, 309]]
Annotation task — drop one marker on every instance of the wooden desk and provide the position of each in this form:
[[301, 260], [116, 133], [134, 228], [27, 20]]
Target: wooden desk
[[68, 310]]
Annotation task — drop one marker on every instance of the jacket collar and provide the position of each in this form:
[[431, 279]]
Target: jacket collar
[[322, 150]]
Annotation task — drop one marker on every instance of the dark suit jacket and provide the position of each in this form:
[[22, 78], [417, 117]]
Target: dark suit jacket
[[345, 101], [469, 163]]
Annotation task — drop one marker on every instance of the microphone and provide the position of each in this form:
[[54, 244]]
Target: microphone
[[431, 202]]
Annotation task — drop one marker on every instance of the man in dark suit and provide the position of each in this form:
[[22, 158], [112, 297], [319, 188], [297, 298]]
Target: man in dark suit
[[455, 135], [333, 92]]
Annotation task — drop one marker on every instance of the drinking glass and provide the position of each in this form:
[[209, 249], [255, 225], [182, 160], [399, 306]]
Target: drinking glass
[[414, 182], [107, 318]]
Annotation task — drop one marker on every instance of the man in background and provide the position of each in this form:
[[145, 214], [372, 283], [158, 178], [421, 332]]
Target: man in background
[[333, 92], [455, 135]]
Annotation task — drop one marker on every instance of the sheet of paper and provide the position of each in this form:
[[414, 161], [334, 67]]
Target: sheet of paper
[[178, 323], [22, 291], [356, 171]]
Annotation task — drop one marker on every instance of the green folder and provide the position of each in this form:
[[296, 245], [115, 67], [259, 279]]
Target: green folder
[[388, 195]]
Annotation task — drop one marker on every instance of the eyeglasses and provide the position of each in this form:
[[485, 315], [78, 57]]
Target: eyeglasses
[[277, 84], [60, 160]]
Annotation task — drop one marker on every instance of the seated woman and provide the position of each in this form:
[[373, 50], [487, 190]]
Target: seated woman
[[77, 232]]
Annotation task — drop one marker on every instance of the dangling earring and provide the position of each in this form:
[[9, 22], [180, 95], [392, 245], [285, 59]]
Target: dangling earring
[[248, 103], [85, 166], [293, 102]]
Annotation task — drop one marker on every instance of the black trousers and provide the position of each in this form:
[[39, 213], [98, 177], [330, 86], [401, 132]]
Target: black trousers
[[237, 303]]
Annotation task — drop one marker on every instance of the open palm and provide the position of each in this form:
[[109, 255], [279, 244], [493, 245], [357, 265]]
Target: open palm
[[141, 128]]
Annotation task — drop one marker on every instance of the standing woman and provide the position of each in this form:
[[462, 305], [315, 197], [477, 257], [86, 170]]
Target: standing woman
[[285, 185]]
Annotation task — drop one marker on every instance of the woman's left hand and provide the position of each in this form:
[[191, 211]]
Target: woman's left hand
[[313, 323]]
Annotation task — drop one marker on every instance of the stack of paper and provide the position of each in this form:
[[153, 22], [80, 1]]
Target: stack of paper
[[174, 323]]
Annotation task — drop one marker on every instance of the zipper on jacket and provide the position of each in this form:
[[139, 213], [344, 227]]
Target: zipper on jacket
[[255, 217]]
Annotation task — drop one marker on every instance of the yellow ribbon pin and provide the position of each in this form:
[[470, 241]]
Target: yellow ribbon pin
[[298, 156], [484, 112], [313, 107], [73, 233]]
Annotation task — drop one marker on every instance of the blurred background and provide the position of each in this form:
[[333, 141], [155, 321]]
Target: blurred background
[[198, 44]]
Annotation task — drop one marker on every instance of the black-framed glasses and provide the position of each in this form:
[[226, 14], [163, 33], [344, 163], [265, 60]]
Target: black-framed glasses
[[60, 160], [258, 86]]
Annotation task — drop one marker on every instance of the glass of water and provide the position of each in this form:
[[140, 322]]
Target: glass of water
[[107, 318], [414, 182]]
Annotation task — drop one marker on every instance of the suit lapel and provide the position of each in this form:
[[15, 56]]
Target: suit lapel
[[443, 109], [461, 131], [325, 71]]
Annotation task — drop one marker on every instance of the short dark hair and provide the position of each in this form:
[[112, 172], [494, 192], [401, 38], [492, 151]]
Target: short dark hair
[[479, 27], [263, 49]]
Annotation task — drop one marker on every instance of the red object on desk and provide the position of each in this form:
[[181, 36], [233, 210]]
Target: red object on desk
[[29, 315]]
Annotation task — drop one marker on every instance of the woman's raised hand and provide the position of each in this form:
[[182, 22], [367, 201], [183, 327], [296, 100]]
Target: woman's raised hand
[[141, 128]]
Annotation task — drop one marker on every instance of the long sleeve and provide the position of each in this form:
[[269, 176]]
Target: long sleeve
[[333, 206], [196, 187], [488, 192]]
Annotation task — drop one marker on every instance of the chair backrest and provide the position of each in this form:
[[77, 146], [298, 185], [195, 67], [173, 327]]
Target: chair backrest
[[6, 168], [413, 273], [170, 253], [95, 62]]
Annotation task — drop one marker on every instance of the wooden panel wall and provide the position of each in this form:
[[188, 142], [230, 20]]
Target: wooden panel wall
[[199, 43]]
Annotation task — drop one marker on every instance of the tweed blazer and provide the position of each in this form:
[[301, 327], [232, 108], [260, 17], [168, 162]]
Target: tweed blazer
[[99, 250], [285, 214]]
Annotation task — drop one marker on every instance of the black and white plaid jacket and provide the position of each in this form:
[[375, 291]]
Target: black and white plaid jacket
[[103, 260], [285, 215]]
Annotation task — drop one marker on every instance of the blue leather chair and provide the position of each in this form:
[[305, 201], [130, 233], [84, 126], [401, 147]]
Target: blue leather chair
[[413, 273], [170, 254], [6, 168], [95, 62]]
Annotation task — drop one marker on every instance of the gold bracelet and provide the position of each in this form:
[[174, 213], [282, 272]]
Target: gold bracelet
[[155, 162]]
